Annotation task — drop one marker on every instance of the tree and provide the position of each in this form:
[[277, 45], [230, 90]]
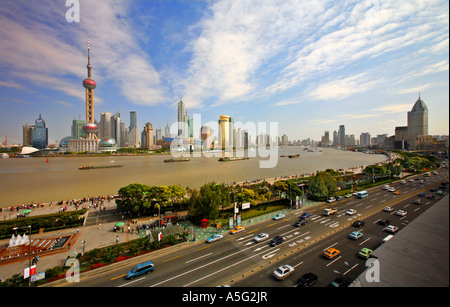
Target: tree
[[206, 202], [322, 185], [132, 199]]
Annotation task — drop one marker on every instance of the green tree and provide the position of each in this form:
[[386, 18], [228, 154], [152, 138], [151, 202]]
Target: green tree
[[322, 185], [133, 199]]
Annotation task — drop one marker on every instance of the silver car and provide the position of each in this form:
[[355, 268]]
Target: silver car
[[261, 237], [283, 271]]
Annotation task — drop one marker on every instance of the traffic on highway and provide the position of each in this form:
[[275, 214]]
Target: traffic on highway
[[325, 245]]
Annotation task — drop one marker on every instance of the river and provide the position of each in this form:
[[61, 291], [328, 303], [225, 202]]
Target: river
[[33, 180]]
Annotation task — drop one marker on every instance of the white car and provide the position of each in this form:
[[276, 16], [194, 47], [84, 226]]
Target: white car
[[388, 209], [279, 216], [401, 213], [386, 187], [391, 189], [391, 228], [411, 180], [283, 271], [350, 211], [261, 237], [331, 199]]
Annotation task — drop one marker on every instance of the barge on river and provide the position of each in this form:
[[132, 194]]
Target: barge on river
[[226, 159], [101, 166]]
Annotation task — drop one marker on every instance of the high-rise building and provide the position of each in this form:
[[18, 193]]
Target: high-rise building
[[147, 136], [341, 135], [181, 118], [27, 135], [417, 122], [133, 134], [224, 132], [364, 139], [105, 125], [91, 141], [206, 137], [116, 129], [77, 129], [40, 134]]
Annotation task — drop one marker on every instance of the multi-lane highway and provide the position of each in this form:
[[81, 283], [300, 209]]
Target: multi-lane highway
[[238, 260]]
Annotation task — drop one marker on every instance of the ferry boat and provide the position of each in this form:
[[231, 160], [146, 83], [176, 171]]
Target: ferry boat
[[294, 156]]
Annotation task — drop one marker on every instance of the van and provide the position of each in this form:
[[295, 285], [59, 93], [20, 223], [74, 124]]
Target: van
[[387, 238], [140, 269]]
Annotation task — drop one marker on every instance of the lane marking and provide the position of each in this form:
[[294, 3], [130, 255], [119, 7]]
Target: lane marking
[[334, 260], [172, 258], [205, 255], [118, 276], [128, 283], [351, 268]]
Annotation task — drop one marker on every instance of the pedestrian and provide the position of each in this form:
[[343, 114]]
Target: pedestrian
[[117, 239]]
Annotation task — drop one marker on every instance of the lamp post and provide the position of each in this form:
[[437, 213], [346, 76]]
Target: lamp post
[[29, 252]]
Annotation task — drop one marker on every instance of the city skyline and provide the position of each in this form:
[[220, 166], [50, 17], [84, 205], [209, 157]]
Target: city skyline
[[308, 66]]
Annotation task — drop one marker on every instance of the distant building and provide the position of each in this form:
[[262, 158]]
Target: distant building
[[401, 138], [181, 118], [341, 135], [417, 122], [40, 134], [147, 136], [224, 132], [364, 139]]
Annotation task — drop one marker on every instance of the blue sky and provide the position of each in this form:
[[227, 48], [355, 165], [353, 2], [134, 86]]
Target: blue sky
[[308, 65]]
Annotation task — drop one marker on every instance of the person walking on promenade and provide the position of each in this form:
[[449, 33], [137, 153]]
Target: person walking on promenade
[[117, 239]]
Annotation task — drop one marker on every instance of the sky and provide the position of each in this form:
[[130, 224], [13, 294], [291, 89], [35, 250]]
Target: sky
[[309, 66]]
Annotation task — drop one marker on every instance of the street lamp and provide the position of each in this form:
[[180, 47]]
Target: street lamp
[[29, 252]]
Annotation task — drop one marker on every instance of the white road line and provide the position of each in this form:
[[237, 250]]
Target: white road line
[[198, 258], [244, 237], [297, 264], [334, 260], [417, 209], [128, 283], [351, 268], [364, 241], [284, 226]]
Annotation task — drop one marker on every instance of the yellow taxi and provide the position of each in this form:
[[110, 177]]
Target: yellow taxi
[[237, 229], [330, 253]]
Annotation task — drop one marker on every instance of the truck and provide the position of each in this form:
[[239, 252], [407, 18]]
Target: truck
[[329, 211]]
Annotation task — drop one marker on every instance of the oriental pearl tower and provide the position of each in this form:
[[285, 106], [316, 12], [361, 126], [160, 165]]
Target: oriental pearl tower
[[90, 128]]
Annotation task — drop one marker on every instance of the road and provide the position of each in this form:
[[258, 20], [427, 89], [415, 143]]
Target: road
[[238, 261]]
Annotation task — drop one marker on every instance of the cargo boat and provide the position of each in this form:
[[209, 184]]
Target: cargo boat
[[226, 159], [177, 160], [96, 167]]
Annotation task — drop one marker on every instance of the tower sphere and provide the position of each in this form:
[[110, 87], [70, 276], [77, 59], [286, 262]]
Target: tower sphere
[[89, 84], [90, 128]]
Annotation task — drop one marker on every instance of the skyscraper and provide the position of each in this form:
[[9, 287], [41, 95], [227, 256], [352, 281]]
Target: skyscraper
[[133, 134], [40, 134], [417, 122], [224, 131], [181, 118], [341, 135]]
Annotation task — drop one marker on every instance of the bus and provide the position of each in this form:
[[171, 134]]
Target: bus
[[362, 194]]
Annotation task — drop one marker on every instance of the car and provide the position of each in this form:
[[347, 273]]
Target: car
[[355, 235], [339, 198], [277, 240], [305, 215], [401, 212], [348, 195], [340, 282], [397, 192], [421, 181], [330, 253], [329, 211], [140, 269], [411, 180], [386, 187], [391, 229], [237, 229], [279, 216], [388, 209], [283, 271], [307, 280], [358, 223], [421, 194], [391, 189], [300, 223], [439, 192], [261, 237], [331, 199], [214, 237], [429, 196], [418, 202], [403, 182], [384, 222], [365, 252], [350, 211]]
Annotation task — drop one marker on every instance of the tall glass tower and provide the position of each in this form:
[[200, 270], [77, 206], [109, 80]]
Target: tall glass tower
[[40, 134]]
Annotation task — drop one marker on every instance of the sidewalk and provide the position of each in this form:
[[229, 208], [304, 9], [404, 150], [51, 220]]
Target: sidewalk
[[98, 233]]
